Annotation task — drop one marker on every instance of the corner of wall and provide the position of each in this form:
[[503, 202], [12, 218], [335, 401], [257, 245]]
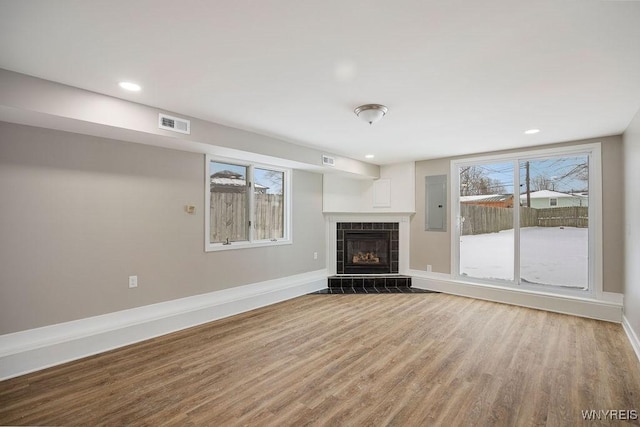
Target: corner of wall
[[631, 230]]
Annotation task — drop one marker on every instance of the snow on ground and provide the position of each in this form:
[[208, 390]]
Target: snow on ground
[[549, 255]]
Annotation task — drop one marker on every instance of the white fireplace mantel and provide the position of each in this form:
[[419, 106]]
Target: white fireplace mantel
[[403, 219]]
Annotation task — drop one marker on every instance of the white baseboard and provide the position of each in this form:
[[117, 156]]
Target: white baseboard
[[609, 309], [36, 349], [631, 334], [613, 297]]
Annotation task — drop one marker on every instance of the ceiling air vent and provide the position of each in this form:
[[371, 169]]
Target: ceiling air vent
[[174, 124], [328, 161]]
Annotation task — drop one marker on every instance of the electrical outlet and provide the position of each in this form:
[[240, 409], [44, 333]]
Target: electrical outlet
[[315, 255], [133, 281], [428, 267]]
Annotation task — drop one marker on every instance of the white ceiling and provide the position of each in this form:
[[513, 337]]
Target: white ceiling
[[458, 76]]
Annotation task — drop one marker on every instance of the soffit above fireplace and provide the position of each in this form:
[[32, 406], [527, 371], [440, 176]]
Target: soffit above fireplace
[[393, 192]]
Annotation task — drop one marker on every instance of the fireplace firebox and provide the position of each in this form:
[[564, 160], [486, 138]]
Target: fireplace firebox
[[367, 252], [367, 248]]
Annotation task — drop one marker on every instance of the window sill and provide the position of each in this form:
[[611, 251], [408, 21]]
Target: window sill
[[603, 305], [245, 245], [599, 296]]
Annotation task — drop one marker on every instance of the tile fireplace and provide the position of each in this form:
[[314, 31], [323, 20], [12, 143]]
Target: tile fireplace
[[367, 248], [368, 253]]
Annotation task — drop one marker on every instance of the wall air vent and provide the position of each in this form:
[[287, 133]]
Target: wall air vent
[[174, 124], [328, 161]]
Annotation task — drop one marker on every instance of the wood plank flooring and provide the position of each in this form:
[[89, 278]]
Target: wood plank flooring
[[347, 360]]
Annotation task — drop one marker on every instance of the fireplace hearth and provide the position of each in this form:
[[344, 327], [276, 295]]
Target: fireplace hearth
[[367, 260]]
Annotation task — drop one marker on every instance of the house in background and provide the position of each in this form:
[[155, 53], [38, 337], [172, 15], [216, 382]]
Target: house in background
[[554, 199], [584, 196], [232, 182], [489, 200]]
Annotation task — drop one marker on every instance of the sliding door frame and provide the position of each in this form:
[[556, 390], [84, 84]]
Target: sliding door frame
[[595, 256]]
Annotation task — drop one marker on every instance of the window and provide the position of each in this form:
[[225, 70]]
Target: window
[[247, 205], [548, 241]]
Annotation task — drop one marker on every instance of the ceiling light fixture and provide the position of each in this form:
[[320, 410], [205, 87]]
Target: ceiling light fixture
[[531, 131], [371, 113], [369, 156], [130, 86]]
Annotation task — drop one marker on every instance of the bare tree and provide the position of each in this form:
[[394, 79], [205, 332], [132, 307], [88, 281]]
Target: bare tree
[[579, 171], [273, 180], [474, 182], [542, 182]]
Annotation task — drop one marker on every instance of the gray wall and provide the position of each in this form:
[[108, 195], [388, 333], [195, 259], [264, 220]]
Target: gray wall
[[430, 247], [79, 214], [434, 248], [632, 225], [31, 101]]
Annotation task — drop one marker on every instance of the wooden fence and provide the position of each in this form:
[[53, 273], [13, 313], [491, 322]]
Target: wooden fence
[[570, 216], [483, 219], [269, 216], [229, 217]]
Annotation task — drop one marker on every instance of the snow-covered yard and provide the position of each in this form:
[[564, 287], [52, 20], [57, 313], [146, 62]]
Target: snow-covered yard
[[549, 255]]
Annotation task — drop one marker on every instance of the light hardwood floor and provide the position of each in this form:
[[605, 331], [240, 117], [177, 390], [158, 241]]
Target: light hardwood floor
[[389, 359]]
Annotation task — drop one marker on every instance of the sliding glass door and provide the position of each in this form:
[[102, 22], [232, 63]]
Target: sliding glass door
[[525, 220], [486, 221], [554, 221]]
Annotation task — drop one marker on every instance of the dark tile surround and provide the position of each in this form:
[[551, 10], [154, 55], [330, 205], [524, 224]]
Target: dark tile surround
[[369, 281], [392, 227], [374, 291], [370, 285], [395, 284]]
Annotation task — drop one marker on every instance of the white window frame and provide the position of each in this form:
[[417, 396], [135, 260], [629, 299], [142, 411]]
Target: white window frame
[[595, 286], [251, 243]]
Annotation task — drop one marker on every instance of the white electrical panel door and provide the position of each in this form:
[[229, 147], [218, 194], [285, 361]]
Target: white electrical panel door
[[436, 203]]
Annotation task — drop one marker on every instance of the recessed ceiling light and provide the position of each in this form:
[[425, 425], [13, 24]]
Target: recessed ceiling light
[[531, 131], [130, 86], [369, 156]]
